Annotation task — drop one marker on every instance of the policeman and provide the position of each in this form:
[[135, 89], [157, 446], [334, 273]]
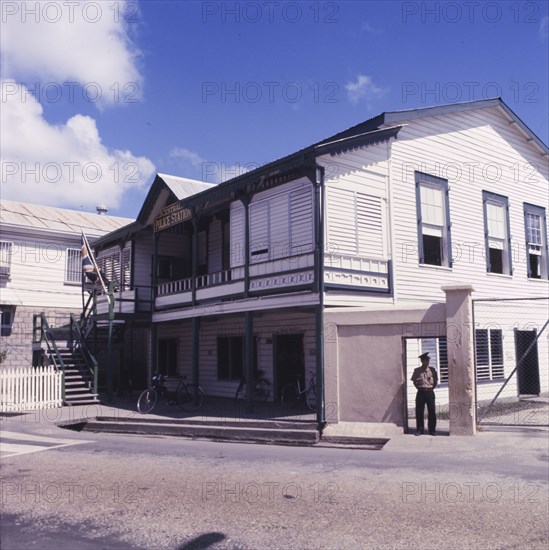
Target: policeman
[[425, 379]]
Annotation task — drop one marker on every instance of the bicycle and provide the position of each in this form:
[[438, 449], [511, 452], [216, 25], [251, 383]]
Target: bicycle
[[292, 392], [262, 388], [188, 396]]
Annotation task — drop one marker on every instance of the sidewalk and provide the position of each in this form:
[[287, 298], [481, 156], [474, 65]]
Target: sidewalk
[[227, 420]]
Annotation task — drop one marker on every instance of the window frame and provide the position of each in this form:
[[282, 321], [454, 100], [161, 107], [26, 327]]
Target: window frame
[[235, 372], [6, 327], [490, 344], [533, 209], [5, 261], [500, 200], [76, 270], [427, 180]]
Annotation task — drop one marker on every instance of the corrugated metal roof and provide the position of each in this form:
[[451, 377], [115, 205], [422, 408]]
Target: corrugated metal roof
[[50, 218], [184, 187]]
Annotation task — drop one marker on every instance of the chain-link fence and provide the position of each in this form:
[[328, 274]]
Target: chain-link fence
[[511, 348]]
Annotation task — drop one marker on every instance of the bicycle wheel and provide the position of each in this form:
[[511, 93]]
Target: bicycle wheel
[[289, 394], [189, 397], [147, 401], [262, 390], [311, 398]]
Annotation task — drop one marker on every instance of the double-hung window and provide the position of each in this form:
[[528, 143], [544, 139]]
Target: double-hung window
[[536, 241], [433, 219], [496, 231]]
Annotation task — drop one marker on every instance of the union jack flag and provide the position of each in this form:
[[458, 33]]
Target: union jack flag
[[88, 267]]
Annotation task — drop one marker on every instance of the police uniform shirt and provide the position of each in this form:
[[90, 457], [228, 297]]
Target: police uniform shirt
[[425, 379]]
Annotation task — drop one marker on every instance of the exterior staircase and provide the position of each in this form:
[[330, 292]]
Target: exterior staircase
[[78, 379]]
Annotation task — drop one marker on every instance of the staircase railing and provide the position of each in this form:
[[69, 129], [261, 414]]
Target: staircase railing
[[88, 313], [79, 342], [42, 333]]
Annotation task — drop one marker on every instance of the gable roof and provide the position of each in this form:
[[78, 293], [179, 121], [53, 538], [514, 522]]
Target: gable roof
[[162, 187], [51, 219], [374, 130], [390, 118]]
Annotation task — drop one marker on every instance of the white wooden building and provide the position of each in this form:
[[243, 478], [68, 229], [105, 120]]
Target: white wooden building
[[376, 218], [41, 269]]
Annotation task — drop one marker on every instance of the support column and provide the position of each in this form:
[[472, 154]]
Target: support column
[[194, 258], [154, 327], [109, 344], [461, 361], [320, 197], [195, 350], [249, 362]]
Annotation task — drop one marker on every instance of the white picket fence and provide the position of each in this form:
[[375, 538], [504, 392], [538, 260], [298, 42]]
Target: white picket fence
[[30, 389]]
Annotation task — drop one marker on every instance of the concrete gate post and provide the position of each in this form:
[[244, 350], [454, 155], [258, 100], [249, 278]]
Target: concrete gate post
[[461, 366]]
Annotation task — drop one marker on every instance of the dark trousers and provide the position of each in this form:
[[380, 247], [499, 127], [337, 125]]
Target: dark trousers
[[425, 398]]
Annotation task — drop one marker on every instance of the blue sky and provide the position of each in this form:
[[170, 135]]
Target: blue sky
[[205, 89]]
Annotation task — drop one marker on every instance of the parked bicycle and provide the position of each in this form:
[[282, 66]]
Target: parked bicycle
[[293, 392], [188, 396], [262, 388]]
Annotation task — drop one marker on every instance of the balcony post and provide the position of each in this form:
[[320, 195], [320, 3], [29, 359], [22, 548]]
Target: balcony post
[[246, 199], [195, 220]]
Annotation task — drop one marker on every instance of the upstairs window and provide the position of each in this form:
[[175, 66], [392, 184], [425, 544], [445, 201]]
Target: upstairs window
[[536, 241], [73, 266], [281, 225], [496, 230], [5, 258], [433, 218]]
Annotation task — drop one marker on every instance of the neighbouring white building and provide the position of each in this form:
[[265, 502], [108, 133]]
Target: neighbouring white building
[[41, 269], [331, 261]]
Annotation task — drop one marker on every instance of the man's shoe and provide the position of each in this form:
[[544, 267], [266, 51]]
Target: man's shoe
[[419, 432], [432, 433]]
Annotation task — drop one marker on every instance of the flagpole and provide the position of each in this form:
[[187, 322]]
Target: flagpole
[[94, 263]]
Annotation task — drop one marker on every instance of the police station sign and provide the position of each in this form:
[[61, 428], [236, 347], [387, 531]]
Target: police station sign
[[172, 215]]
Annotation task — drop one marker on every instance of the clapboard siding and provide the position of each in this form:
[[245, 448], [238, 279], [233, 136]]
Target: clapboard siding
[[265, 328], [37, 273], [356, 202], [142, 262], [475, 151], [215, 247]]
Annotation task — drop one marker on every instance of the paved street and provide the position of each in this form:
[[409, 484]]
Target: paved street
[[70, 490]]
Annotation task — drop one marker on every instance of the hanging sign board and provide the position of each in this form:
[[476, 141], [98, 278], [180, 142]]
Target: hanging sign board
[[172, 215]]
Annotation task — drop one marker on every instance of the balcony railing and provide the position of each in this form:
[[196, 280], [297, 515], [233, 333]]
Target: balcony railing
[[278, 275]]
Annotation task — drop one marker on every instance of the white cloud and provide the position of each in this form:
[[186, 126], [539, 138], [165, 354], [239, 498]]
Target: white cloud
[[208, 171], [363, 88], [84, 42], [186, 155], [64, 164]]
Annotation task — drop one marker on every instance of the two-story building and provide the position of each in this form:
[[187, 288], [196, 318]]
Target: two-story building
[[41, 269], [312, 264]]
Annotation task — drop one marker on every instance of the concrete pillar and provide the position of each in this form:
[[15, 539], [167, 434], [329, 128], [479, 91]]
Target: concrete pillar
[[461, 361]]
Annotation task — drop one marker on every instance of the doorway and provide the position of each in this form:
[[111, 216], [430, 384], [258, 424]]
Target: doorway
[[288, 360], [167, 356], [528, 369]]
